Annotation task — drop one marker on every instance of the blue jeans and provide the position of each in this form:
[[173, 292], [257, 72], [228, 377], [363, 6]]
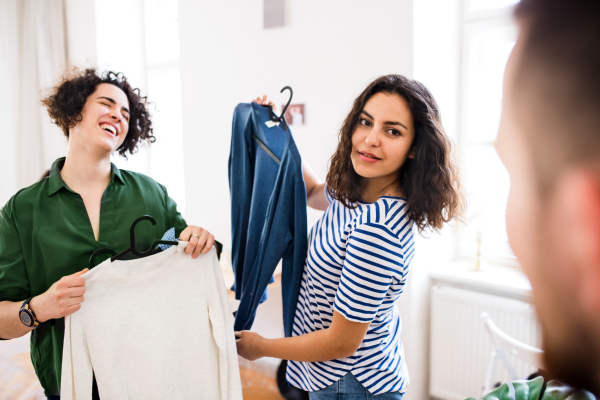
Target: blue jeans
[[349, 388]]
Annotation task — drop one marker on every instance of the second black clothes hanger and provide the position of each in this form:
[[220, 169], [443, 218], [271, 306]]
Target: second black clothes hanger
[[275, 118], [135, 251], [132, 248], [281, 117]]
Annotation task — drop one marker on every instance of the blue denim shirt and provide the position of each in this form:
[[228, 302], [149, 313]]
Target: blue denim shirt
[[268, 213]]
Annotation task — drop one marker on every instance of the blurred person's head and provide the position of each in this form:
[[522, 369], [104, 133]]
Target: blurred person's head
[[394, 134], [100, 112], [549, 140]]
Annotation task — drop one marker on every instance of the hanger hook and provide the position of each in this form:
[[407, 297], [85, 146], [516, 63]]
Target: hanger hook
[[281, 116], [98, 252], [132, 233]]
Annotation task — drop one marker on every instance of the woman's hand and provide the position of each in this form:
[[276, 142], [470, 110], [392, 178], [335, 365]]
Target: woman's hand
[[199, 240], [249, 345], [265, 101]]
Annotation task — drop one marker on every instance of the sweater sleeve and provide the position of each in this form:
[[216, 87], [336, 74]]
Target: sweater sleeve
[[77, 374], [221, 321], [373, 267]]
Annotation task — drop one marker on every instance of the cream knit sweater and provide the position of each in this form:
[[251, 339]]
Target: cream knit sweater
[[155, 328]]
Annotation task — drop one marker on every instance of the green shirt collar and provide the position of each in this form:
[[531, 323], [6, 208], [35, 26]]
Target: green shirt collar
[[56, 181]]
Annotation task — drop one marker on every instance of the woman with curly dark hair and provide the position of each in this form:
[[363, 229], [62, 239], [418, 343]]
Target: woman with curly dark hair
[[49, 230], [392, 171]]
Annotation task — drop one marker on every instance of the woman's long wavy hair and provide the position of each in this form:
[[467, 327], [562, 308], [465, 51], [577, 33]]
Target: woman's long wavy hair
[[65, 102], [430, 181]]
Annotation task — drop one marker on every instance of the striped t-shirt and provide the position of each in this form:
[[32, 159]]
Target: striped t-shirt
[[357, 265]]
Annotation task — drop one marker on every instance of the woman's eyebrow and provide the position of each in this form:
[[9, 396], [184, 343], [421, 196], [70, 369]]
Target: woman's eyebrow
[[367, 114], [114, 102], [387, 122]]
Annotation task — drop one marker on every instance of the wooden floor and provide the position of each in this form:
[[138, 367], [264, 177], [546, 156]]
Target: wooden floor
[[18, 380], [256, 386]]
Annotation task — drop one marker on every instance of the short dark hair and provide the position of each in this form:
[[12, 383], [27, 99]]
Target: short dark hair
[[557, 83], [65, 102], [430, 181]]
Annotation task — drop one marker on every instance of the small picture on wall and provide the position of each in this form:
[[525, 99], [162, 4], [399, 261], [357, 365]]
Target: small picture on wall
[[294, 115]]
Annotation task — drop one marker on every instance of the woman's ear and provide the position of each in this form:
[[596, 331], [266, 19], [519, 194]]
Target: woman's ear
[[412, 153]]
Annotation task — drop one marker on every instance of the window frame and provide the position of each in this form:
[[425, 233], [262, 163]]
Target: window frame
[[472, 22]]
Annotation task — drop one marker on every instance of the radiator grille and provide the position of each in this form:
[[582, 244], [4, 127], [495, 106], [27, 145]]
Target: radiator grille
[[460, 345]]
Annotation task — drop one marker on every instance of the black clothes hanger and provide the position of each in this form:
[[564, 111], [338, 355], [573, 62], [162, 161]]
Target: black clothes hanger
[[98, 252], [275, 118], [132, 248], [135, 251], [281, 117]]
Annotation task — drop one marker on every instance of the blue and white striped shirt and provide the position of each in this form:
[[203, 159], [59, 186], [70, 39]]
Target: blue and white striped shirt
[[357, 265]]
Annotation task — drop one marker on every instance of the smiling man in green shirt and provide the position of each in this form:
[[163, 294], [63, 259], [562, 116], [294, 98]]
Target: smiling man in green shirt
[[49, 230], [45, 234]]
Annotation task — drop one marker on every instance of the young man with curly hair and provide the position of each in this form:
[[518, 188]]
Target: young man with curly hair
[[49, 230]]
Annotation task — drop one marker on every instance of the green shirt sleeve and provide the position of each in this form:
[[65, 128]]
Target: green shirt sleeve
[[176, 220], [14, 282]]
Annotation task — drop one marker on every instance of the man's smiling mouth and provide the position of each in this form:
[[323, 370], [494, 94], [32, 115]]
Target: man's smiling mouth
[[109, 128]]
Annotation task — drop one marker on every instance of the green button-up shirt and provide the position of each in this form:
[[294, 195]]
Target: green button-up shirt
[[45, 234]]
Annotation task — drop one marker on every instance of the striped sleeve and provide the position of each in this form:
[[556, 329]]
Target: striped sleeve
[[327, 195], [374, 263]]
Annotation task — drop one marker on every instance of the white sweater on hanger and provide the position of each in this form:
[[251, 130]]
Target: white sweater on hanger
[[159, 327]]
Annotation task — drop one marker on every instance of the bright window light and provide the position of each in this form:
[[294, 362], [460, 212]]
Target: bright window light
[[481, 5], [164, 89], [487, 43]]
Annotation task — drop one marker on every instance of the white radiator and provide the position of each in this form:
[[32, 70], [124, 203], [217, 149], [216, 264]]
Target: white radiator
[[460, 346]]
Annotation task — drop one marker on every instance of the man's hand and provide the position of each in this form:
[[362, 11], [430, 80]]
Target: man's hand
[[248, 345], [63, 298], [199, 240]]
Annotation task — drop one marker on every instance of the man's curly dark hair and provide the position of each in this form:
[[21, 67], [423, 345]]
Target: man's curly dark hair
[[66, 100]]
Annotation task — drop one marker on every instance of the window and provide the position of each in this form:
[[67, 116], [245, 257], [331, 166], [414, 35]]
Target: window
[[164, 88], [488, 36], [150, 60], [474, 6]]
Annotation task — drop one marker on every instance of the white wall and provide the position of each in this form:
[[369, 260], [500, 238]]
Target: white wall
[[328, 52]]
